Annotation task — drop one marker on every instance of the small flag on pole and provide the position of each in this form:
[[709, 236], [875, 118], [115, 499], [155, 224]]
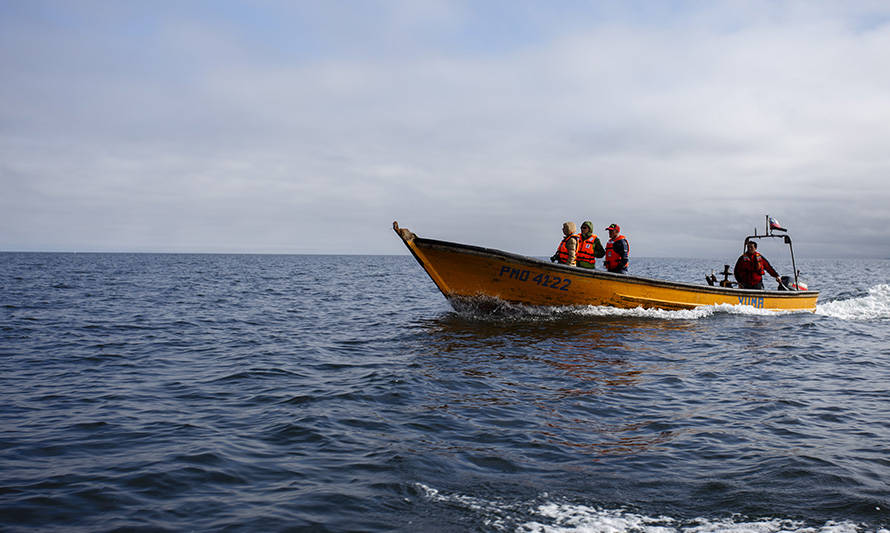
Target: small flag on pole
[[774, 224]]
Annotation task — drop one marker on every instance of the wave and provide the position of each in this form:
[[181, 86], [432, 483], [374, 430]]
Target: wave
[[552, 517], [569, 518], [487, 308], [704, 311], [874, 306]]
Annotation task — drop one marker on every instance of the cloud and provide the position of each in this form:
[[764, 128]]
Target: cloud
[[308, 129]]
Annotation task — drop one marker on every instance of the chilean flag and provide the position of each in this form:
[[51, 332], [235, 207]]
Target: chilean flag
[[774, 224]]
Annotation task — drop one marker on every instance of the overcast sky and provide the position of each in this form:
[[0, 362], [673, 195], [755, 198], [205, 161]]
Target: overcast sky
[[308, 127]]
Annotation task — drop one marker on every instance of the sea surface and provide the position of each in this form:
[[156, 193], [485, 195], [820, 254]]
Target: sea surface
[[253, 393]]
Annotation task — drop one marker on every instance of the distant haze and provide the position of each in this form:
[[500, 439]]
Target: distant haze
[[308, 127]]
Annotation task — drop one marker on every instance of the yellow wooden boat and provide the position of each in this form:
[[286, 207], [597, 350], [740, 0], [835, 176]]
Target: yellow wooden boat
[[463, 272]]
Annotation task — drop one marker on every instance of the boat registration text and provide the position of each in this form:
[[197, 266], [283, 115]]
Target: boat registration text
[[545, 280]]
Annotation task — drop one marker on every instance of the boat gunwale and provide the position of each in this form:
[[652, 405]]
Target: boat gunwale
[[627, 278]]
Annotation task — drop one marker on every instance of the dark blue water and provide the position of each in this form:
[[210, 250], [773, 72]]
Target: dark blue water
[[272, 393]]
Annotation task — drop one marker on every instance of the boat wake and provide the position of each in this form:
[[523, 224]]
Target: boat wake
[[544, 515], [488, 308], [875, 306], [704, 311]]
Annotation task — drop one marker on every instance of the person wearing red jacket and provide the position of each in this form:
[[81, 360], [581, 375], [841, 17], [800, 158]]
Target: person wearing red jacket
[[750, 267]]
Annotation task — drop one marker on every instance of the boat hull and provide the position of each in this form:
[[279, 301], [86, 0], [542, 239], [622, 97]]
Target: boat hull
[[462, 271]]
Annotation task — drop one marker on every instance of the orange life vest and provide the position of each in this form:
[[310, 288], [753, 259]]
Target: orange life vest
[[585, 249], [613, 259], [562, 253]]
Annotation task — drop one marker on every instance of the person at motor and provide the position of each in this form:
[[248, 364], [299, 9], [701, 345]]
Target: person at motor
[[568, 248], [589, 247], [617, 250], [750, 267]]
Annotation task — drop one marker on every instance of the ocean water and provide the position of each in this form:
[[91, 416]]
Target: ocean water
[[343, 393]]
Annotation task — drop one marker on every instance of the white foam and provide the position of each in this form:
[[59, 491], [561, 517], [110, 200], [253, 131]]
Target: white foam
[[874, 306], [498, 308], [490, 513], [580, 518], [683, 314], [552, 517]]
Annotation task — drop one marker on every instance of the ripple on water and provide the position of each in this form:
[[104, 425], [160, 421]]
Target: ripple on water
[[268, 393]]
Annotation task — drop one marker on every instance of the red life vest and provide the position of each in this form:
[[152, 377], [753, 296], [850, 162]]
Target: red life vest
[[562, 253], [585, 249], [751, 267], [758, 263], [613, 259]]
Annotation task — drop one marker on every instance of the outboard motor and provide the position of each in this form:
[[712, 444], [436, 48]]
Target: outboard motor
[[789, 285]]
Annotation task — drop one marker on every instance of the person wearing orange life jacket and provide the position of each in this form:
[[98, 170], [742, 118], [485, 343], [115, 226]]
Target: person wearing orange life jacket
[[589, 247], [617, 250], [565, 254], [750, 267]]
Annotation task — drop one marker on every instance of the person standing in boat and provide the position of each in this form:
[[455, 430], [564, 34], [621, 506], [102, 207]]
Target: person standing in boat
[[750, 267], [568, 248], [589, 247], [617, 250]]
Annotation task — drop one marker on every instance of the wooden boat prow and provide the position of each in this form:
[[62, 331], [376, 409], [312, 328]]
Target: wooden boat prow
[[462, 271]]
